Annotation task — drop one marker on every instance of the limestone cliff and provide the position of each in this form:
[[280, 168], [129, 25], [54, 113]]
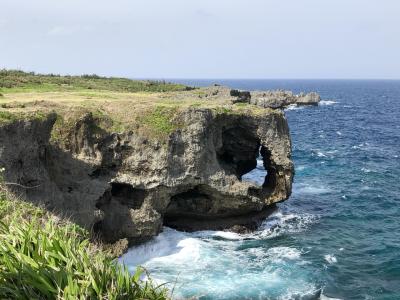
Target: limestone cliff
[[128, 184]]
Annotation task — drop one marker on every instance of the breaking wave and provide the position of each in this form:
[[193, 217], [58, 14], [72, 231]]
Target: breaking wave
[[293, 107], [198, 263], [327, 102]]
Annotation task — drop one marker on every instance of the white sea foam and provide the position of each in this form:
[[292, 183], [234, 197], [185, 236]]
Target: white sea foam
[[330, 258], [362, 146], [284, 253], [311, 189], [300, 168], [330, 152], [228, 235], [282, 223], [168, 243], [324, 154], [323, 297], [294, 107], [308, 292], [327, 102], [222, 264]]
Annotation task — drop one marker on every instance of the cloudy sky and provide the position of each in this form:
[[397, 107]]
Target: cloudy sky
[[203, 38]]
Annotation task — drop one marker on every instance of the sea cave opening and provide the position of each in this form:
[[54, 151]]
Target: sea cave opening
[[259, 174], [243, 155]]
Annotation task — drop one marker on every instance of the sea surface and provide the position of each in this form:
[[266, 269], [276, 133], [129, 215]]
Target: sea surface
[[338, 232]]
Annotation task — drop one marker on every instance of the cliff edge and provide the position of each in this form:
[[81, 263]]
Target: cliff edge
[[125, 164]]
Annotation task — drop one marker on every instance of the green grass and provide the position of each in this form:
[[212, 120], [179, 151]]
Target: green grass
[[9, 117], [6, 117], [14, 81], [43, 257], [161, 120]]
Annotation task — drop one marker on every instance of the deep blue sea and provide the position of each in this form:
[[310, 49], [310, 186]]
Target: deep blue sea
[[340, 229]]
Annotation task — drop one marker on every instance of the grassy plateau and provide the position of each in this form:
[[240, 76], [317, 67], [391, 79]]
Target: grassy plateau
[[151, 108]]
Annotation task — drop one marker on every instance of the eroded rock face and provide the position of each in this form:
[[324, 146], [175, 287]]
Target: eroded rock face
[[128, 186], [281, 99], [275, 99]]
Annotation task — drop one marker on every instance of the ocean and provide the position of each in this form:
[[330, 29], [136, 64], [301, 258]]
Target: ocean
[[339, 232]]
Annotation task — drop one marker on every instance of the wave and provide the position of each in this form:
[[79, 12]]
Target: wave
[[327, 102], [293, 107], [331, 259], [279, 253], [319, 153], [227, 235], [323, 297], [310, 189], [168, 243], [283, 223], [311, 293], [362, 146], [300, 168], [200, 263], [366, 170]]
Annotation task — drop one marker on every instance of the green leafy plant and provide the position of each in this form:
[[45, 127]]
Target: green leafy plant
[[42, 257]]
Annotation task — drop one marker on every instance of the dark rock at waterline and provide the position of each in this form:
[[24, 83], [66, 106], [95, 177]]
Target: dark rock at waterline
[[239, 224]]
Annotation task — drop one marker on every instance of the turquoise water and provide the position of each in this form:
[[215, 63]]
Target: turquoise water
[[340, 229]]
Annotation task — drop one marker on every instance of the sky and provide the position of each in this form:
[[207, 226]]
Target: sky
[[297, 39]]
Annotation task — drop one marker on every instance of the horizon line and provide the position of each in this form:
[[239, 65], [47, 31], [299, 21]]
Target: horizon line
[[203, 78]]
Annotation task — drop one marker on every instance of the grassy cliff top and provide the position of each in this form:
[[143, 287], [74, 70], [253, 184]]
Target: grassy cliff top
[[15, 81], [126, 104]]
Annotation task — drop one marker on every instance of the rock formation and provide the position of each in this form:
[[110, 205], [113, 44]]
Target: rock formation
[[267, 99], [281, 99], [127, 185]]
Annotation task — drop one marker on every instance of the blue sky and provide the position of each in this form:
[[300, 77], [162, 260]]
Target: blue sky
[[203, 38]]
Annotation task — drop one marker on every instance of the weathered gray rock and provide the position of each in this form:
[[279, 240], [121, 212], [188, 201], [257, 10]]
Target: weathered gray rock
[[127, 186], [282, 99], [308, 99], [240, 96]]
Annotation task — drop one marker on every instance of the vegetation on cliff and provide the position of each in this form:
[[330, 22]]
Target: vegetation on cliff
[[20, 81], [45, 257], [149, 108]]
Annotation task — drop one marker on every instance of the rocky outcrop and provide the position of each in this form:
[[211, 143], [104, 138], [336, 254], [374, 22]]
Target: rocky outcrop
[[128, 185], [240, 96], [275, 99]]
